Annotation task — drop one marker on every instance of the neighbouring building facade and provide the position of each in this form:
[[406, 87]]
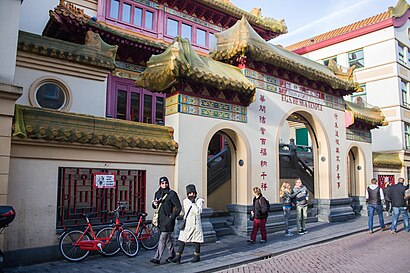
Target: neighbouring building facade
[[187, 89], [379, 48]]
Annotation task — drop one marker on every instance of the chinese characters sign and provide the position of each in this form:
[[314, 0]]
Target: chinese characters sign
[[263, 142], [337, 148]]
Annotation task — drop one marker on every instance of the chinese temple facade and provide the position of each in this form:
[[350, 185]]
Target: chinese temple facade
[[187, 89]]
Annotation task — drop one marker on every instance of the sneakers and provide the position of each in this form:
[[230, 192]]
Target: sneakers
[[251, 241], [370, 231], [300, 232], [288, 234], [305, 231], [385, 228], [393, 232], [263, 241]]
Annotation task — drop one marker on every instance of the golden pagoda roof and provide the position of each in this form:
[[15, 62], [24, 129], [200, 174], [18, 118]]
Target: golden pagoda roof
[[63, 127], [372, 116], [180, 62], [94, 52], [387, 160], [254, 16], [242, 41]]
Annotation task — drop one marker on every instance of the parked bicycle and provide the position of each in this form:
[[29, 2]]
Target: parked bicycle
[[75, 245], [147, 233]]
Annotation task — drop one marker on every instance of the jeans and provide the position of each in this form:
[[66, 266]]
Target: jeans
[[396, 214], [286, 215], [378, 208], [301, 215], [259, 224]]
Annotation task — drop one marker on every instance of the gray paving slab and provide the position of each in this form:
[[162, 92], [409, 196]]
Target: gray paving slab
[[229, 251]]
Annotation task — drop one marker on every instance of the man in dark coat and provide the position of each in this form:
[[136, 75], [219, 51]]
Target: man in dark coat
[[168, 206], [396, 195]]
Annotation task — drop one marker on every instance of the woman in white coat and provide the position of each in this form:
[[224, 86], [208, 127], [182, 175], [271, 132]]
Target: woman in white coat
[[192, 233]]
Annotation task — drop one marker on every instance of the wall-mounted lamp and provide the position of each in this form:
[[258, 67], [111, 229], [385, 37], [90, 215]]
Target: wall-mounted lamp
[[241, 162], [323, 159], [359, 168]]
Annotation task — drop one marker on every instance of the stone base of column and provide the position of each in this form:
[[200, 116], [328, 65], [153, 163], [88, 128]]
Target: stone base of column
[[334, 210]]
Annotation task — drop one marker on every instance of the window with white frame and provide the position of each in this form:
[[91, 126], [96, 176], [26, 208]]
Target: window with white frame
[[356, 58], [404, 87], [326, 61], [401, 53], [359, 97], [407, 135]]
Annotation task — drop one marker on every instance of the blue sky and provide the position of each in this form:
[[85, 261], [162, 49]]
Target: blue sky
[[308, 18]]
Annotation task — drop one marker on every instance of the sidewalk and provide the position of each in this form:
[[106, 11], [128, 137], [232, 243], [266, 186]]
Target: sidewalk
[[228, 252]]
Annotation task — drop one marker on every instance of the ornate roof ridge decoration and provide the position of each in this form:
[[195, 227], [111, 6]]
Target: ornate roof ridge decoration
[[387, 160], [64, 127], [95, 51], [70, 11], [179, 62], [241, 42], [254, 16], [345, 74], [372, 116], [399, 10]]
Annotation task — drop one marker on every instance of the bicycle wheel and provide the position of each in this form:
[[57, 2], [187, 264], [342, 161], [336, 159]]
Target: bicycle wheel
[[149, 236], [128, 242], [112, 247], [68, 248]]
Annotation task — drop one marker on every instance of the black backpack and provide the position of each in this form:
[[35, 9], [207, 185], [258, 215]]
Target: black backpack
[[267, 204]]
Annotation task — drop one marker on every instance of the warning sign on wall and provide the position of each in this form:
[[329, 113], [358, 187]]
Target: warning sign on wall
[[104, 180]]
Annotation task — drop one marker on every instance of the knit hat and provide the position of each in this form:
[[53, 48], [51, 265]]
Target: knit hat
[[190, 188], [163, 179]]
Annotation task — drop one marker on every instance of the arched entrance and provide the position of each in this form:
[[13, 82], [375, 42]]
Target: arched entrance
[[296, 156], [355, 177], [221, 152]]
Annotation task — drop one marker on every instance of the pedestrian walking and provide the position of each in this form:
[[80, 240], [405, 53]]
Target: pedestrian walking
[[286, 194], [387, 200], [192, 232], [301, 198], [398, 202], [259, 214], [374, 199], [167, 205]]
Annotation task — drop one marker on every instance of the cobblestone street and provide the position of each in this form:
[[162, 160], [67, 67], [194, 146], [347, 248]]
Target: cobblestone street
[[379, 252]]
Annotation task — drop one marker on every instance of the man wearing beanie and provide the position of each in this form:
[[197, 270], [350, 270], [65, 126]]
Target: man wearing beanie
[[167, 205], [192, 209]]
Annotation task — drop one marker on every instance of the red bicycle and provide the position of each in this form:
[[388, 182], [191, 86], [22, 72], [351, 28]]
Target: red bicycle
[[147, 233], [75, 245]]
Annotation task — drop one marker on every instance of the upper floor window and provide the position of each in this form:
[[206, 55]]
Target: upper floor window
[[132, 13], [198, 36], [326, 61], [359, 97], [356, 58], [127, 102], [407, 135], [404, 87], [401, 53]]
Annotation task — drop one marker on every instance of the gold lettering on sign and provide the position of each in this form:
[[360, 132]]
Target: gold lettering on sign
[[303, 103]]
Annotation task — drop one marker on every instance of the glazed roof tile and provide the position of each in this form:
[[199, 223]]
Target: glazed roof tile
[[372, 116], [180, 62], [393, 12], [242, 40], [387, 160]]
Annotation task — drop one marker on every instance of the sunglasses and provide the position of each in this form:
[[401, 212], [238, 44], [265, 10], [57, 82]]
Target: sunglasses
[[164, 182]]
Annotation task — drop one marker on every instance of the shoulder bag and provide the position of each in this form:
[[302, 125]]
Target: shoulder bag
[[182, 224], [155, 218]]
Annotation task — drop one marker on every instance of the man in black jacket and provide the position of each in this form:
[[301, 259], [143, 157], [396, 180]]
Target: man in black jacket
[[168, 206], [396, 195]]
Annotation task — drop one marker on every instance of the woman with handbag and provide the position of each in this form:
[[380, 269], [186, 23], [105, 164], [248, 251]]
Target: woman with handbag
[[191, 225]]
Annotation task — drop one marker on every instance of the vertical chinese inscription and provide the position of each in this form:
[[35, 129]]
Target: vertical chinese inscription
[[337, 148], [263, 143]]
